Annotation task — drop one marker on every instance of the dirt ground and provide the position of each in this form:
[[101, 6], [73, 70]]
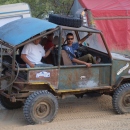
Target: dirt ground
[[74, 114]]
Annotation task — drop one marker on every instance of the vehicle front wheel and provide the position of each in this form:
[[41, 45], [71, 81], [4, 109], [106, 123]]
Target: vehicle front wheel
[[40, 107], [121, 99]]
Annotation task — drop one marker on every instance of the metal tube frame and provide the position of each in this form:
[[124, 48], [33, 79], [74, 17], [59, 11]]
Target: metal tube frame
[[32, 39], [1, 61], [12, 71]]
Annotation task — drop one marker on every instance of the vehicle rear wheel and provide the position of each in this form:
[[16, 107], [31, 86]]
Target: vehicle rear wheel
[[40, 107], [10, 105], [121, 99]]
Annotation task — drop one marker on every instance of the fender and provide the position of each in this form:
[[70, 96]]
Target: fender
[[121, 79]]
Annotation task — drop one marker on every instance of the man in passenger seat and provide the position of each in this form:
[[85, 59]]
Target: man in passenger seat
[[71, 47], [32, 54], [49, 42]]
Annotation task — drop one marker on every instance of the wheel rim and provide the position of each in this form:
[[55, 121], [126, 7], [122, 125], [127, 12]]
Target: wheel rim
[[126, 100], [42, 109]]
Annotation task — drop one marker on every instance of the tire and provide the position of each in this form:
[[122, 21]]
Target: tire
[[121, 99], [40, 107], [10, 105], [65, 20]]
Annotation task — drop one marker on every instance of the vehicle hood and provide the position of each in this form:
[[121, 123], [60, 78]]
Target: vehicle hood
[[120, 56], [21, 30]]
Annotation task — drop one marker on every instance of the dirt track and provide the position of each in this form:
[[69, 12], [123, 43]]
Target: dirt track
[[73, 114]]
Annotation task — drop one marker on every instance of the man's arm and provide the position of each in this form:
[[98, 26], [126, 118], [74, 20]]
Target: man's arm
[[81, 62], [84, 38], [25, 59], [48, 52]]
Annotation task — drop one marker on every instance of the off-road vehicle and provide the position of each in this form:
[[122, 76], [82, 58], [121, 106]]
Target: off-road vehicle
[[37, 89]]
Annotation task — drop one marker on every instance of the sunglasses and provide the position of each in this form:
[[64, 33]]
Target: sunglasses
[[70, 38]]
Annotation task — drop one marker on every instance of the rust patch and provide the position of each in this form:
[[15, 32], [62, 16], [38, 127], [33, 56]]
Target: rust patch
[[73, 78], [45, 76]]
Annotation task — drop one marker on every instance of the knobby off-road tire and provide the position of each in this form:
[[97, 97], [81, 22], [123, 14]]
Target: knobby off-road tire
[[121, 99], [40, 107], [65, 20], [10, 105]]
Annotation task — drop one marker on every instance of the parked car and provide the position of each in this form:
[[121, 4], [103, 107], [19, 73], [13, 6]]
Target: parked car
[[37, 89], [11, 12]]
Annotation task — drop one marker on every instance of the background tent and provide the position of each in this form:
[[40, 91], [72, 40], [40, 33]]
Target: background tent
[[113, 18]]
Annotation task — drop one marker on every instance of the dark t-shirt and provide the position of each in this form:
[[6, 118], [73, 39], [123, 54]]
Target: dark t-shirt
[[48, 45]]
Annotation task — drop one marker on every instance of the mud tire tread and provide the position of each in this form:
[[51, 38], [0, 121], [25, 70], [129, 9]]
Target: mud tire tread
[[65, 21], [5, 102], [117, 95], [31, 99]]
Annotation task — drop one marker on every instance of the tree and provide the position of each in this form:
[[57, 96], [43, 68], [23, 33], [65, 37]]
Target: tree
[[40, 8]]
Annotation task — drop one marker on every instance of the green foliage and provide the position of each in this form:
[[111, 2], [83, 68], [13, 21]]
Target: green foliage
[[40, 8]]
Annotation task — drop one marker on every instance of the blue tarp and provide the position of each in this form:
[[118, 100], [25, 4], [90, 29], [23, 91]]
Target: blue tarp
[[21, 30]]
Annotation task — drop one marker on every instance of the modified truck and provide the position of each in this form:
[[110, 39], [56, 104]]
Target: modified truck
[[37, 89]]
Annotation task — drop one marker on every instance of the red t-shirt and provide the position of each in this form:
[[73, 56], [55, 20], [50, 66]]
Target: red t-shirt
[[48, 45]]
